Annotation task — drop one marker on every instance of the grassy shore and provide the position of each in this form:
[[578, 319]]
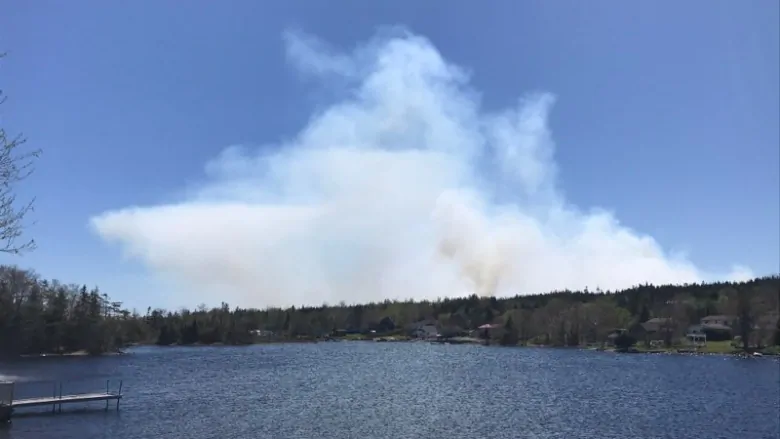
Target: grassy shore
[[711, 348]]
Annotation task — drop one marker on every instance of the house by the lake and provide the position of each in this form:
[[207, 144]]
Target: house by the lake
[[713, 328], [448, 331], [696, 336], [425, 329], [657, 327], [719, 320], [490, 330], [656, 331]]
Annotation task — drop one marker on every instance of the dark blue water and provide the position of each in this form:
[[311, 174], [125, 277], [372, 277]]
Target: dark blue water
[[410, 390]]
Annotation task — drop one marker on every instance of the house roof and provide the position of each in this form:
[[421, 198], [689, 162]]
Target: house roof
[[719, 317], [716, 327], [421, 323], [489, 326], [656, 324]]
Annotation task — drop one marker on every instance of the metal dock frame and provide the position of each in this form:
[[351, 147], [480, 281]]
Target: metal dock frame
[[8, 403]]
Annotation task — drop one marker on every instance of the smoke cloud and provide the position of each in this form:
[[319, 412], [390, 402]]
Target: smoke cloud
[[403, 187]]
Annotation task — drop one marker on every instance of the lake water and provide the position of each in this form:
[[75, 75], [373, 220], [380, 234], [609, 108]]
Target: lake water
[[368, 390]]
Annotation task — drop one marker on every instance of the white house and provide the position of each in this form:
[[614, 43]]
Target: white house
[[696, 336]]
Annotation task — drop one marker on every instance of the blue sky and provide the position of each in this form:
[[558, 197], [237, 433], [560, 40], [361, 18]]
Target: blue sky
[[665, 113]]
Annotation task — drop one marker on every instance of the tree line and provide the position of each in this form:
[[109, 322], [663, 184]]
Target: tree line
[[48, 316]]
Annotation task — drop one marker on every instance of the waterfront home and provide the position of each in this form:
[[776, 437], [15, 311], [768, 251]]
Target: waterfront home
[[657, 328], [657, 325], [714, 328], [490, 330], [425, 329], [714, 331], [656, 331], [452, 331], [696, 336], [385, 325], [719, 320]]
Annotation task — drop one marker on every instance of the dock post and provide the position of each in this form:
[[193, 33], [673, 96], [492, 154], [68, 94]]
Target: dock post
[[5, 413], [60, 405], [7, 402], [107, 389], [53, 397], [11, 402], [119, 394]]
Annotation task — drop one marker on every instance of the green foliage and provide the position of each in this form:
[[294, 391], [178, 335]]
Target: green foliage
[[777, 334], [509, 333], [38, 316]]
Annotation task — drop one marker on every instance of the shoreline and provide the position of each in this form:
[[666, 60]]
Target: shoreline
[[771, 352], [473, 341], [79, 353]]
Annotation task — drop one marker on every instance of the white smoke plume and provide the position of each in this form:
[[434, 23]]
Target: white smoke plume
[[403, 187]]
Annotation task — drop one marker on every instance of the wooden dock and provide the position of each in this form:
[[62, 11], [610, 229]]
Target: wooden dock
[[8, 403]]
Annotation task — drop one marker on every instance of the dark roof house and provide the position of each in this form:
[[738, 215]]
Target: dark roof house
[[722, 320], [715, 327], [657, 324]]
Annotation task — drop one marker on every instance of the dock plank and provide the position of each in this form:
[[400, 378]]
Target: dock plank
[[64, 399]]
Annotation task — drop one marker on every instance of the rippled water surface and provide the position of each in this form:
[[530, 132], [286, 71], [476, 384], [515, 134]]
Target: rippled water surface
[[411, 390]]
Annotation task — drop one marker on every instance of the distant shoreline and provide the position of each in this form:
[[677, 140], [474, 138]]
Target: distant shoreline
[[476, 341], [456, 340], [79, 353]]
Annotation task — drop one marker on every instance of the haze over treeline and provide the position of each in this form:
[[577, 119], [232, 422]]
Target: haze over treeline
[[400, 185], [40, 316]]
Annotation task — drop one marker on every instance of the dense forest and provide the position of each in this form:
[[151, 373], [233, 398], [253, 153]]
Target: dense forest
[[40, 316]]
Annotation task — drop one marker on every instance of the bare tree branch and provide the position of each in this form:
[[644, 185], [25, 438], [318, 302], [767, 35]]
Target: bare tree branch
[[14, 168]]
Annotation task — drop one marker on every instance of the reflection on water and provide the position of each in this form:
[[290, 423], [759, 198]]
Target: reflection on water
[[410, 390]]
